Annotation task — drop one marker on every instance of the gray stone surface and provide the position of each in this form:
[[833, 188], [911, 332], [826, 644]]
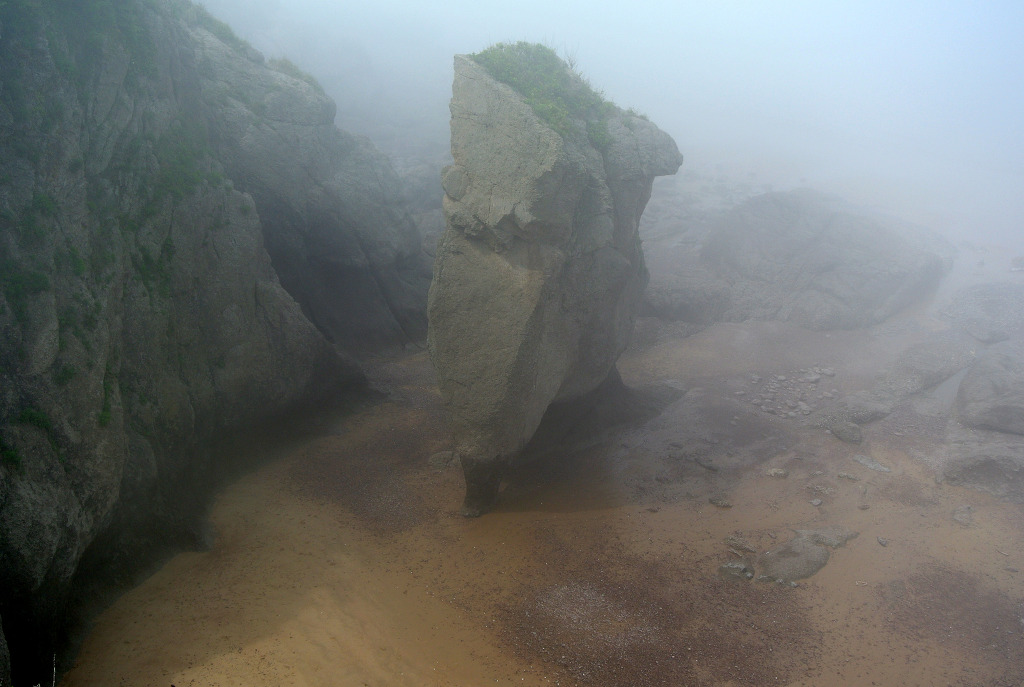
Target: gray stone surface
[[989, 312], [5, 660], [802, 556], [331, 206], [986, 460], [797, 559], [539, 271], [991, 394], [918, 368]]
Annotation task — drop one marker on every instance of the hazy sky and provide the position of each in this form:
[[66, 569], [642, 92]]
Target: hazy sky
[[914, 107]]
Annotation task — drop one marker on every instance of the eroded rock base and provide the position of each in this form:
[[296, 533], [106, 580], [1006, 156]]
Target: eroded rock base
[[483, 478]]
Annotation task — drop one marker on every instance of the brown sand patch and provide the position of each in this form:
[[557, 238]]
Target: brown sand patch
[[955, 608], [346, 563], [611, 617]]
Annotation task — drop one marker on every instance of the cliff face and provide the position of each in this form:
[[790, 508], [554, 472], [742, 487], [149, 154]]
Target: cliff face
[[158, 185], [540, 269], [329, 202]]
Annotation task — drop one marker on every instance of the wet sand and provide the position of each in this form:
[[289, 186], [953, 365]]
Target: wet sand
[[346, 562]]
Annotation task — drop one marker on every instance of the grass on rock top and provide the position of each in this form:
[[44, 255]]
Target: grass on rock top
[[557, 93]]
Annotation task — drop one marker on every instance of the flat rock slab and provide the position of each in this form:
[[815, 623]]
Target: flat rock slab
[[802, 556], [794, 560]]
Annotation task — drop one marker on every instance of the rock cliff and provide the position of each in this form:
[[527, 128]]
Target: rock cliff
[[183, 234], [539, 271]]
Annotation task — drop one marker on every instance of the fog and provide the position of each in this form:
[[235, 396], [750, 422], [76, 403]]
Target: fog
[[912, 108]]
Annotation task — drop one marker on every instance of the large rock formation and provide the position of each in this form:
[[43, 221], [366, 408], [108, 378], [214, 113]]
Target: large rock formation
[[148, 161], [540, 269]]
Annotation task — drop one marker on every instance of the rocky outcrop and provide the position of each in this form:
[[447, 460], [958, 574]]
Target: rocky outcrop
[[990, 312], [539, 271], [799, 257], [991, 395], [986, 460], [920, 367], [153, 173]]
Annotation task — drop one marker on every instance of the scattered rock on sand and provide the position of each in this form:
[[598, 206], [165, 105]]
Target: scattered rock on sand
[[870, 463], [739, 543], [964, 515], [778, 473], [846, 431], [833, 537], [795, 560], [736, 569]]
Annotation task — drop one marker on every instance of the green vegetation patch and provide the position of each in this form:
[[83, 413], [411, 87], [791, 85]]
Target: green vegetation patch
[[36, 418], [555, 92], [10, 456], [181, 154], [39, 419], [19, 284], [103, 419], [220, 29], [63, 375]]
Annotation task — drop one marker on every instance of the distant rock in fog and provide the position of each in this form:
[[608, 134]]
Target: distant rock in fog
[[803, 258]]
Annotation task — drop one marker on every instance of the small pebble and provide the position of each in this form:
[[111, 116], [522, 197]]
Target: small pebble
[[863, 506], [883, 541], [816, 502]]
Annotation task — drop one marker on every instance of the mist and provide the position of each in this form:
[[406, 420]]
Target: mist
[[252, 366], [913, 109]]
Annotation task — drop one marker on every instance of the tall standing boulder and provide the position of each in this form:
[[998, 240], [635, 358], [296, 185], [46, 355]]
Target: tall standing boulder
[[540, 269]]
